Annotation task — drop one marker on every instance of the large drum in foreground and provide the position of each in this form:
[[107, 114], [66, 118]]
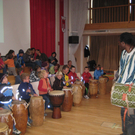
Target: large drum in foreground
[[68, 100], [77, 96], [37, 110], [102, 85], [4, 129], [56, 98], [20, 114], [7, 117], [93, 88]]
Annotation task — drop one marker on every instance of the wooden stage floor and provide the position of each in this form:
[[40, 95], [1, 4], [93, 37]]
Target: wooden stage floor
[[93, 117]]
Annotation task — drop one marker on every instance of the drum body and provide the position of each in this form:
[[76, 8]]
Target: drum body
[[77, 96], [4, 130], [83, 87], [93, 88], [56, 98], [68, 100], [37, 110], [102, 85], [20, 114], [7, 117]]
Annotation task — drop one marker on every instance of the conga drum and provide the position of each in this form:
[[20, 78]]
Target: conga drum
[[77, 96], [83, 87], [37, 110], [93, 88], [7, 117], [68, 100], [4, 130], [56, 98], [102, 85], [20, 113]]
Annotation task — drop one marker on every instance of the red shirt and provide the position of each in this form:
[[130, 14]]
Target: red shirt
[[1, 63], [86, 77], [73, 76]]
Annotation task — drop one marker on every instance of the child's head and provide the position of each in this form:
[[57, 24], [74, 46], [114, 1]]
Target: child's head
[[19, 71], [73, 69], [70, 62], [65, 69], [25, 77], [10, 56], [59, 75], [33, 50], [21, 52], [98, 67], [37, 68], [53, 54], [43, 74], [56, 67], [3, 78], [86, 69], [38, 51]]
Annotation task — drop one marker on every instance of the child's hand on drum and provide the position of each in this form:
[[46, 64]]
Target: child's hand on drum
[[65, 87], [13, 98], [35, 95], [101, 68], [1, 108]]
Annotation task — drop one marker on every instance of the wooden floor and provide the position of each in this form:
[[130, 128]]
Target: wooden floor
[[91, 118]]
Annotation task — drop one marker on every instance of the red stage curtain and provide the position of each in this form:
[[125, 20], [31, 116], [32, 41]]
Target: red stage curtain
[[42, 17]]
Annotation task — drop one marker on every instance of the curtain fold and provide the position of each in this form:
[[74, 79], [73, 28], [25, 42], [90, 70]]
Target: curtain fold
[[42, 20], [105, 51]]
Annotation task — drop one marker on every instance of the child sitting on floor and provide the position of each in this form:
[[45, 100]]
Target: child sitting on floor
[[44, 86], [58, 83], [86, 76], [6, 96], [72, 75], [98, 72]]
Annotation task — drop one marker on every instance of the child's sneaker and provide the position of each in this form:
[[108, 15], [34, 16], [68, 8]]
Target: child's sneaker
[[16, 132], [86, 97], [28, 124]]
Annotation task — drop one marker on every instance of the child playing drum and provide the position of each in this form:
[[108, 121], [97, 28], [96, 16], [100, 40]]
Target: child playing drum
[[6, 96], [44, 86], [98, 72], [85, 77]]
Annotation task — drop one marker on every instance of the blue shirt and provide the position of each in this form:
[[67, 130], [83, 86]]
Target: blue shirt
[[20, 60], [98, 73]]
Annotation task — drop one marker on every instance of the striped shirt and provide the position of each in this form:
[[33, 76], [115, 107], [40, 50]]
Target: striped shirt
[[127, 68]]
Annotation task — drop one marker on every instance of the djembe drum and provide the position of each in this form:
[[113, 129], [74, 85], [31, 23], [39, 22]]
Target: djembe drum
[[7, 117], [102, 85], [83, 87], [77, 96], [4, 130], [93, 88], [68, 100], [20, 113], [56, 98], [37, 110]]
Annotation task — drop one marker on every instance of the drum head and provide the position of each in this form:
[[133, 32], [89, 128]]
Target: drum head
[[37, 98], [4, 112], [66, 89], [18, 102], [3, 127], [56, 93]]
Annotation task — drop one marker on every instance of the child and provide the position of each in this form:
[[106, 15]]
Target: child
[[18, 78], [11, 66], [34, 74], [98, 72], [65, 77], [6, 96], [58, 83], [2, 65], [54, 69], [20, 62], [44, 86], [86, 76], [72, 75]]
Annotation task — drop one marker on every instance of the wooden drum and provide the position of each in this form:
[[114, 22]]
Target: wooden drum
[[56, 98], [20, 114], [37, 110], [77, 96], [102, 85], [68, 100], [83, 87], [7, 117], [4, 130], [93, 88]]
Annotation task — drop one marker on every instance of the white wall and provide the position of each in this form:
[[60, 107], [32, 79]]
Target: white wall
[[16, 17]]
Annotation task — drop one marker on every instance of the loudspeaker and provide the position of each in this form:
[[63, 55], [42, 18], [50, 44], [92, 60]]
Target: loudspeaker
[[73, 39]]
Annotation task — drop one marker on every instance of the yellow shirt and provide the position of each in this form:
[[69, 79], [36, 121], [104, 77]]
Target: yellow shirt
[[66, 79]]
